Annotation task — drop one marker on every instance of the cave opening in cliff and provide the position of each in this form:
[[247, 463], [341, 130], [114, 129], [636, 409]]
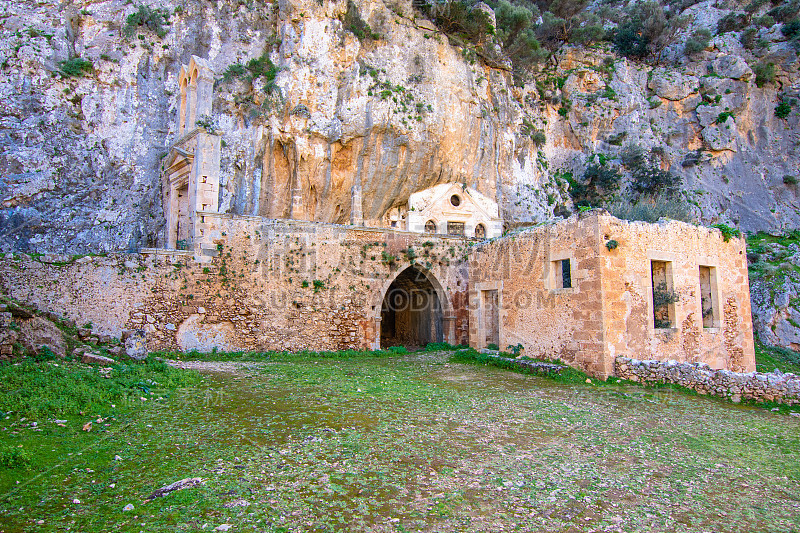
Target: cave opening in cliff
[[411, 313]]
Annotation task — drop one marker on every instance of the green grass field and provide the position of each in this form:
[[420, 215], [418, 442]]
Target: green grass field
[[412, 442]]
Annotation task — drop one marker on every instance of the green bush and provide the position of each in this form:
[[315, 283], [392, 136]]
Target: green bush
[[727, 232], [785, 12], [586, 30], [152, 19], [724, 116], [732, 22], [790, 180], [791, 29], [397, 349], [697, 42], [598, 185], [633, 156], [783, 109], [517, 34], [651, 208], [647, 28], [765, 73], [14, 457], [748, 38], [650, 179], [75, 67]]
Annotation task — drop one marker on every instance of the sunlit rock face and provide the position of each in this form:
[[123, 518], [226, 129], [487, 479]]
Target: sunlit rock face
[[395, 112]]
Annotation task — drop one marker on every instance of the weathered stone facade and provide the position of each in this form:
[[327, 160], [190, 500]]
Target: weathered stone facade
[[736, 386], [260, 285], [587, 290], [580, 289]]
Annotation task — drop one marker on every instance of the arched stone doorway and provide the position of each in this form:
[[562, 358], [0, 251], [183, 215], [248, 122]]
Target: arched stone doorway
[[411, 311]]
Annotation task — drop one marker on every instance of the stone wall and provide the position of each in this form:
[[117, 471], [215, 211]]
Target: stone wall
[[257, 285], [722, 339], [608, 308], [758, 386], [535, 310]]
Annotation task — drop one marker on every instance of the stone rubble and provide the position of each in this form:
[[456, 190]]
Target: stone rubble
[[735, 386]]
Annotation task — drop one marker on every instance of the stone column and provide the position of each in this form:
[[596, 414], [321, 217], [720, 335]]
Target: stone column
[[172, 218], [298, 211], [191, 107]]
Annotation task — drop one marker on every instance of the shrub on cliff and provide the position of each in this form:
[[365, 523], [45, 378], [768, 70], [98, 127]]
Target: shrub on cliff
[[647, 29], [517, 35], [75, 67], [152, 19], [599, 183], [765, 73], [650, 208], [697, 42]]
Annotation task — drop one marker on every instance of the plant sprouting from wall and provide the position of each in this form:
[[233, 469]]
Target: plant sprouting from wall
[[353, 23], [663, 297]]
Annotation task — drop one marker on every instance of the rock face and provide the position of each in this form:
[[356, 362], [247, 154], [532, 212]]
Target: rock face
[[80, 155], [775, 289]]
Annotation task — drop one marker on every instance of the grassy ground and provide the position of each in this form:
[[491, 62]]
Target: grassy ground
[[401, 443], [769, 358]]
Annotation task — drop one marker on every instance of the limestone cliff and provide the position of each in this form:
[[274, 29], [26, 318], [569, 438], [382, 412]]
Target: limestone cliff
[[89, 106]]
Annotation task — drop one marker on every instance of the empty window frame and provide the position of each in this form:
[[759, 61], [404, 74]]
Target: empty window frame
[[562, 274], [664, 297], [708, 299]]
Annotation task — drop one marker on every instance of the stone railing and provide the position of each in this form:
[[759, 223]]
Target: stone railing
[[757, 386]]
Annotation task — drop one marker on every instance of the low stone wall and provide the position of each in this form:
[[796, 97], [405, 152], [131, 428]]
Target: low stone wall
[[758, 386]]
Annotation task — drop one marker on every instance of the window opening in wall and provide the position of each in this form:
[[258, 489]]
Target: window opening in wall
[[430, 227], [664, 297], [455, 228], [480, 231], [708, 280], [455, 200], [562, 274]]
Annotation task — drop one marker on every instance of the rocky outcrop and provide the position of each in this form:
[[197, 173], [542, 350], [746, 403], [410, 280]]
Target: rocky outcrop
[[757, 386], [395, 112], [38, 334], [775, 289]]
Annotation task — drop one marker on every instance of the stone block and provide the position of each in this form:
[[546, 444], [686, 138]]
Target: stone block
[[96, 359], [135, 342]]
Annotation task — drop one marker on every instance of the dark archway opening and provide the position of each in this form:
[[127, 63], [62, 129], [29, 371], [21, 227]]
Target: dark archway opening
[[411, 314]]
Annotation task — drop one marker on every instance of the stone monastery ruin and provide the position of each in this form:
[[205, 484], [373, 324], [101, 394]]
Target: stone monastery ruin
[[436, 268]]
